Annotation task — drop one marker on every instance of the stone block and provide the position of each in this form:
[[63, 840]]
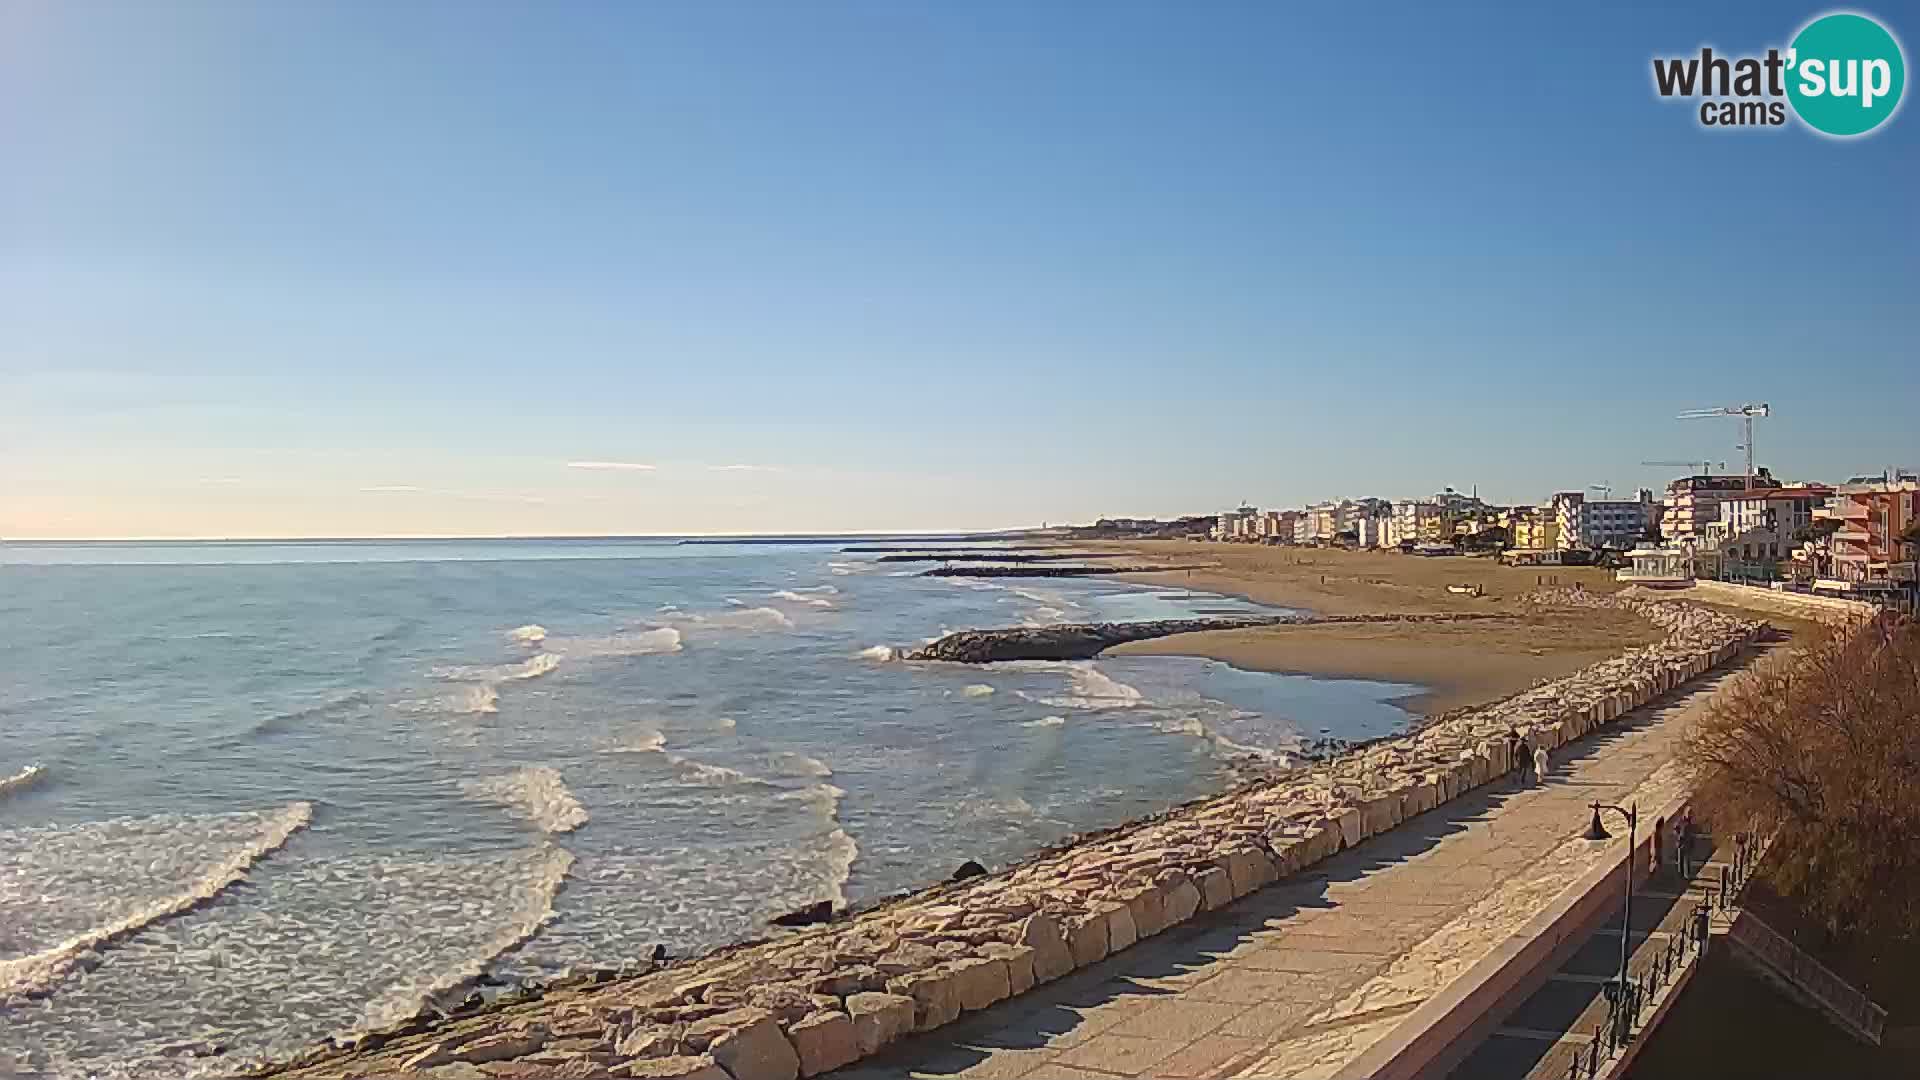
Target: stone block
[[1148, 906], [1379, 814], [1019, 961], [1181, 901], [752, 1047], [934, 999], [1248, 869], [1216, 889], [1087, 938], [1418, 799], [1121, 932], [1052, 956], [979, 981], [878, 1019], [824, 1042], [678, 1067]]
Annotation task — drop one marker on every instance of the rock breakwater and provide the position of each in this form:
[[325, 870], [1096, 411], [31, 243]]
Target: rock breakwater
[[822, 998], [1083, 641]]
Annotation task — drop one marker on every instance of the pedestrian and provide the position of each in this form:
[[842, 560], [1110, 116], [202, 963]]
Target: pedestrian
[[1540, 765], [1680, 849], [1516, 756]]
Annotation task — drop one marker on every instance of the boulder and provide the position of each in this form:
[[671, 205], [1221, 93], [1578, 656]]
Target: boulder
[[1181, 900], [934, 1000], [824, 1042], [749, 1045], [806, 916], [697, 1067], [879, 1019], [1019, 961], [1087, 939], [1148, 908], [1216, 888], [968, 869], [1052, 956], [980, 981]]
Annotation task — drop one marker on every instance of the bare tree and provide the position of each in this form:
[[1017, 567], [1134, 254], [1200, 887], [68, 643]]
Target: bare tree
[[1822, 751]]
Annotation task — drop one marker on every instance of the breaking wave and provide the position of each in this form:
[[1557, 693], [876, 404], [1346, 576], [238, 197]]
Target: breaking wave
[[793, 763], [661, 639], [36, 974], [530, 634], [531, 668], [742, 618], [22, 780], [1091, 689], [650, 743], [880, 653], [532, 909], [1045, 721], [800, 596], [281, 721], [537, 792], [977, 690]]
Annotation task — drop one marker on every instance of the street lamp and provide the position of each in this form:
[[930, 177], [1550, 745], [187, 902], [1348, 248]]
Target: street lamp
[[1598, 831]]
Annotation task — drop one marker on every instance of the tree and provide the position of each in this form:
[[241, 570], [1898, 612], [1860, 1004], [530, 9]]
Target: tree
[[1821, 750]]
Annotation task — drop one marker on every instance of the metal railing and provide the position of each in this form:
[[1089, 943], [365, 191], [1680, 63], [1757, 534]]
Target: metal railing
[[1626, 1003]]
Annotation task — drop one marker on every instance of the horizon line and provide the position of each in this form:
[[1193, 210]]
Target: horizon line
[[500, 536]]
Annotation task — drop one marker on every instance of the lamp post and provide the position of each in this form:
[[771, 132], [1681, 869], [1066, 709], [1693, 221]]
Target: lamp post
[[1598, 831]]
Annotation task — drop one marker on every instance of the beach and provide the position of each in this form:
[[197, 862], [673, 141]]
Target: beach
[[1458, 663]]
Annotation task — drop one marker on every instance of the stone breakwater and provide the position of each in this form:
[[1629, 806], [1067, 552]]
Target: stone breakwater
[[814, 1001], [1083, 641], [1050, 570]]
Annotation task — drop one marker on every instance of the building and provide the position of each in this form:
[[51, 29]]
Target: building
[[1535, 529], [1759, 528], [1367, 530], [1418, 520], [1277, 525], [1240, 524], [1694, 501], [1877, 539], [1617, 524]]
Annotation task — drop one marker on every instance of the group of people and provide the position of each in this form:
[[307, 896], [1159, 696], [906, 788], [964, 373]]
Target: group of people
[[1529, 761]]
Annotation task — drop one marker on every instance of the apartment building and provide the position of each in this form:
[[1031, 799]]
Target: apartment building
[[1535, 529], [1694, 501], [1877, 542], [1618, 524]]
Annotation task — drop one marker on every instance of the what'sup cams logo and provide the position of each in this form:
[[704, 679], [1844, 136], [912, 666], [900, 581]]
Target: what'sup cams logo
[[1842, 76]]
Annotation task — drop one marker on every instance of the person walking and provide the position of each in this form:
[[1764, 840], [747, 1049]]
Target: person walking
[[1680, 849], [1540, 765], [1517, 759]]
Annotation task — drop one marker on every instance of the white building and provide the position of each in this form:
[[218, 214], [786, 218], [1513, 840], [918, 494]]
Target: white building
[[1618, 524]]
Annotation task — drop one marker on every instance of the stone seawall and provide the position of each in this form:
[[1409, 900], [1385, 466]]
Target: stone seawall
[[814, 1001], [1083, 641]]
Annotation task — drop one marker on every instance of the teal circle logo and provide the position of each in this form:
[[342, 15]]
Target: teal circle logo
[[1845, 73]]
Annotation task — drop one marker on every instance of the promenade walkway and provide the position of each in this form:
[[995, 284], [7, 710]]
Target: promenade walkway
[[1298, 979]]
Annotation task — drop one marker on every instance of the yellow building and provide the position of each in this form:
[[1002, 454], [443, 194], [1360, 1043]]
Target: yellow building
[[1536, 531]]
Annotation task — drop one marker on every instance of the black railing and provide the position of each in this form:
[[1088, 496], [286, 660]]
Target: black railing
[[1627, 1001]]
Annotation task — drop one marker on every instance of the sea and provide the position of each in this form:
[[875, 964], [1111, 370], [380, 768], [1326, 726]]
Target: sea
[[256, 794]]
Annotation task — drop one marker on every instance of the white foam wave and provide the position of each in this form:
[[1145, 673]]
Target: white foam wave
[[1092, 689], [742, 618], [661, 639], [792, 763], [978, 690], [880, 653], [530, 634], [705, 775], [793, 597], [650, 743], [22, 780], [1045, 722], [532, 909], [843, 569], [840, 855], [36, 973], [537, 792], [531, 668]]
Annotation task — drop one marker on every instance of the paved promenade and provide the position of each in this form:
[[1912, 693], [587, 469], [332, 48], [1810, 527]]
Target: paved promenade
[[1301, 977]]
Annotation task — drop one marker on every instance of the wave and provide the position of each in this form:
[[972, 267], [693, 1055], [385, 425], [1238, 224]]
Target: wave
[[533, 910], [1045, 722], [1092, 689], [880, 653], [977, 690], [742, 618], [36, 974], [650, 743], [842, 852], [530, 634], [843, 569], [794, 597], [22, 780], [660, 639], [793, 763], [531, 668], [281, 721], [537, 792]]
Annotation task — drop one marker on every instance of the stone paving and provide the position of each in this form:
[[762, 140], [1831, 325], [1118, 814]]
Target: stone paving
[[1301, 977]]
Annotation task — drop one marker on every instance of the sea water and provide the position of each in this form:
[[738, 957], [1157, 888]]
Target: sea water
[[293, 790]]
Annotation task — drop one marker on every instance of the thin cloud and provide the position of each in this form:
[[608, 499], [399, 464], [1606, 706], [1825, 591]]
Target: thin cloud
[[744, 468], [391, 489], [628, 466]]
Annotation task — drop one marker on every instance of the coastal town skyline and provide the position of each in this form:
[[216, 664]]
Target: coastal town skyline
[[673, 270]]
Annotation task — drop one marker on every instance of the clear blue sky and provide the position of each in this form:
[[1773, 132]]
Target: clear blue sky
[[371, 268]]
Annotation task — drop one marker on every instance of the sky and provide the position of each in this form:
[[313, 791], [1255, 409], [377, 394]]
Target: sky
[[373, 269]]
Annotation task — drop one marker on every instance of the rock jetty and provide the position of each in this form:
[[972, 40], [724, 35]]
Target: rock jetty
[[824, 997], [1083, 641], [1048, 570]]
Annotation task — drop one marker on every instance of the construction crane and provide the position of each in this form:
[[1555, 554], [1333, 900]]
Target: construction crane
[[1693, 467], [1746, 414], [1605, 490]]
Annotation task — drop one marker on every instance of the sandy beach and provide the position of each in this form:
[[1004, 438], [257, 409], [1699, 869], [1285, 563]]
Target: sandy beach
[[1459, 663]]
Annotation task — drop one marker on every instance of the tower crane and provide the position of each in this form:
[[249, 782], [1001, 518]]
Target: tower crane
[[1746, 413], [1699, 466]]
